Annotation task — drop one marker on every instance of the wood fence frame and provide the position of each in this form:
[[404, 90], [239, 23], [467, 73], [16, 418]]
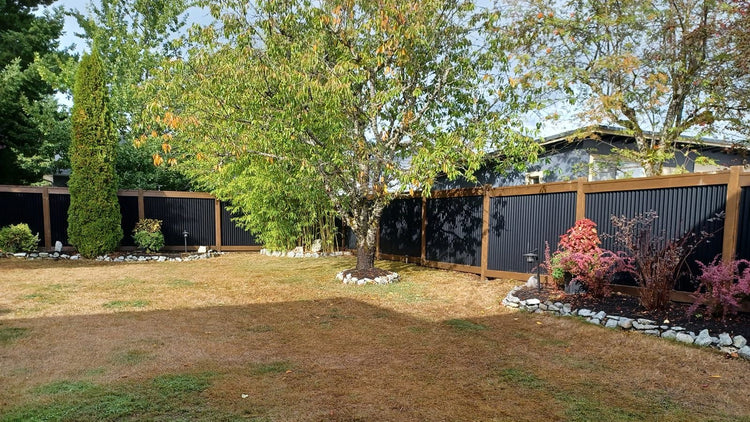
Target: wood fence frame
[[45, 191], [735, 179]]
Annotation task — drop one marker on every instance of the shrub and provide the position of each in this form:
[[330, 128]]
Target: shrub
[[18, 238], [147, 235], [94, 213], [723, 285], [579, 254], [654, 262]]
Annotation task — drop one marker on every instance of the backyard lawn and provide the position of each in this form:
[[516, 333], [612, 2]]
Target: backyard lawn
[[249, 337]]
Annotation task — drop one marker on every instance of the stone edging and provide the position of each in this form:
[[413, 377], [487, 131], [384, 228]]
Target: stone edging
[[724, 342], [121, 258], [385, 279], [301, 254]]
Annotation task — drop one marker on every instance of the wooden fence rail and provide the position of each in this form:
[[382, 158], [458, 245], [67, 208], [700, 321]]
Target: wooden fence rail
[[199, 213], [685, 200]]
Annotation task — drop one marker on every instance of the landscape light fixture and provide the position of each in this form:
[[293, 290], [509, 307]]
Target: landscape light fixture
[[532, 257], [185, 235]]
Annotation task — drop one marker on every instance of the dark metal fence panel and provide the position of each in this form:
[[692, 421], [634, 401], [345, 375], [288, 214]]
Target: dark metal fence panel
[[520, 224], [17, 208], [454, 230], [231, 233], [58, 216], [350, 239], [680, 210], [129, 212], [196, 215], [401, 228], [743, 226]]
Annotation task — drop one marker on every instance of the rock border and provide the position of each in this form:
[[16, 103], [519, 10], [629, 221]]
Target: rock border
[[120, 258], [301, 254], [382, 280], [724, 342]]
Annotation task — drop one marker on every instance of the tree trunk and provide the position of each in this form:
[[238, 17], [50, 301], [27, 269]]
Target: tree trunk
[[365, 222], [365, 257]]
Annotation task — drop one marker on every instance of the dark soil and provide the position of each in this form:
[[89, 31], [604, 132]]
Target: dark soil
[[371, 273], [628, 306]]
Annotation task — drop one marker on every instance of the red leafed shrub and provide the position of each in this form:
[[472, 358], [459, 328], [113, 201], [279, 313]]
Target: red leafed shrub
[[723, 285], [581, 238], [578, 253]]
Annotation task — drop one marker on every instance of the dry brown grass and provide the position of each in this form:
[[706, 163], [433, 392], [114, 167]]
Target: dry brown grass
[[301, 346]]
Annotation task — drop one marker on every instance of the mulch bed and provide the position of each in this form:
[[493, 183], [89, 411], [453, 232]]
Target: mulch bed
[[628, 306]]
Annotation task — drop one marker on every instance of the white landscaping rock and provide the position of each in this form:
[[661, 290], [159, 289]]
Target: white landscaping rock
[[670, 334], [612, 323], [703, 339], [685, 338], [724, 339], [739, 342]]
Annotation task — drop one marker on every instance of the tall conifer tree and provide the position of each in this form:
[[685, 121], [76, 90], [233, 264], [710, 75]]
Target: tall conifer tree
[[94, 215]]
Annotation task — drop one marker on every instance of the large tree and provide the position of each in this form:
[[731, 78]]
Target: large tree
[[655, 68], [133, 37], [369, 98], [94, 215], [32, 126]]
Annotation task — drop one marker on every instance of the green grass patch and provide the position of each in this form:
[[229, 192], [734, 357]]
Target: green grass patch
[[583, 409], [119, 304], [49, 294], [182, 383], [65, 387], [464, 325], [10, 334], [173, 397], [131, 357], [522, 378], [181, 283], [277, 367]]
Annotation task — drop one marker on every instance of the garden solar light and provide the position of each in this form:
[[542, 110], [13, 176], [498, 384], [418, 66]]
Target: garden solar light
[[185, 235], [532, 257]]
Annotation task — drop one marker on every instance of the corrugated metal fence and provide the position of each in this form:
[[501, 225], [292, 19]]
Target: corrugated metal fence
[[487, 231], [205, 219]]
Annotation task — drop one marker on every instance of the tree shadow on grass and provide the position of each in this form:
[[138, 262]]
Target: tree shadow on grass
[[343, 359]]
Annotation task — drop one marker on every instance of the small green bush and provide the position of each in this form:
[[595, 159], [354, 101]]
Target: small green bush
[[18, 238], [147, 235], [150, 225]]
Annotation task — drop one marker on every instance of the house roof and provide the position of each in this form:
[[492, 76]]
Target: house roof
[[587, 131]]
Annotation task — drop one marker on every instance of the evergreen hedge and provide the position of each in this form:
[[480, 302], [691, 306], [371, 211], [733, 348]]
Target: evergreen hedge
[[94, 214]]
